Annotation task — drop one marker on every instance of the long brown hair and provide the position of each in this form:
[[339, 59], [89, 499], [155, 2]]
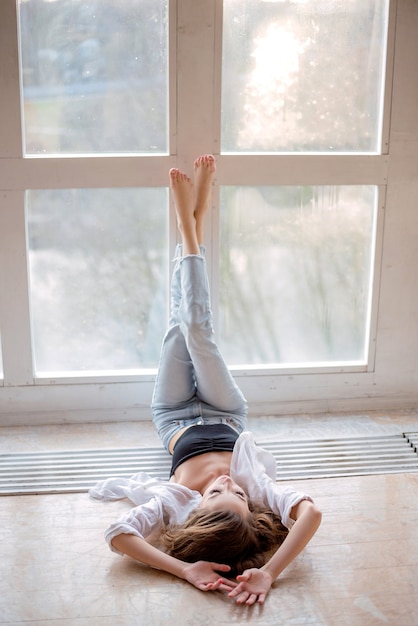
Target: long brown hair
[[225, 537]]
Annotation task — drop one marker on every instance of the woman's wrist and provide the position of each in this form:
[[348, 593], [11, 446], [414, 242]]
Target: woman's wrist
[[267, 570], [182, 565]]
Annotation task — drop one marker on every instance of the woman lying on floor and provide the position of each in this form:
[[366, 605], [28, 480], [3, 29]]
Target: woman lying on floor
[[221, 515]]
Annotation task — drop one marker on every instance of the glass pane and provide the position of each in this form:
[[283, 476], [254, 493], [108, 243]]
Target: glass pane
[[296, 274], [303, 75], [98, 284], [94, 76]]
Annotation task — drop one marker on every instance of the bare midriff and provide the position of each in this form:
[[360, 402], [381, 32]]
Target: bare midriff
[[175, 438], [199, 471]]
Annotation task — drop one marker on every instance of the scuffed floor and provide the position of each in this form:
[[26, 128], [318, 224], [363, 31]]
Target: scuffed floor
[[361, 569]]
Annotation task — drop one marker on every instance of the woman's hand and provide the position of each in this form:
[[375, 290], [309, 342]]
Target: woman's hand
[[254, 585], [205, 576]]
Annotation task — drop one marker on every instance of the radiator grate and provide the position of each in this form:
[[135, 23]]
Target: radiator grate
[[78, 470]]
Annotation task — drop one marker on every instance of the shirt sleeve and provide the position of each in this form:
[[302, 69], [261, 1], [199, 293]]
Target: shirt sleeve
[[165, 504], [254, 469], [140, 521]]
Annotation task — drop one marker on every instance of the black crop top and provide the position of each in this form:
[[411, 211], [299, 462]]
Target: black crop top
[[200, 439]]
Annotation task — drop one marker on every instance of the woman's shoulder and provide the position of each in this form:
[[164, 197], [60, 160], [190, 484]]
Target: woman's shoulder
[[253, 457]]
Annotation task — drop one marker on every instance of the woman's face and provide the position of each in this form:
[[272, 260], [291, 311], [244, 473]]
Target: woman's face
[[225, 495]]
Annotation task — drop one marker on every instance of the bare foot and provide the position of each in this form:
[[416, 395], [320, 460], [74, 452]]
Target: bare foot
[[204, 173], [182, 190]]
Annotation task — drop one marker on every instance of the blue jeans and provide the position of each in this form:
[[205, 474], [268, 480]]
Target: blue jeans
[[193, 384]]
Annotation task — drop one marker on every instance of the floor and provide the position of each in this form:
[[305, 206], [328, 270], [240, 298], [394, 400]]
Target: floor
[[361, 569]]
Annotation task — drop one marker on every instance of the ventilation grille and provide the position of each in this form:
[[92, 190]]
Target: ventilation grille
[[77, 471]]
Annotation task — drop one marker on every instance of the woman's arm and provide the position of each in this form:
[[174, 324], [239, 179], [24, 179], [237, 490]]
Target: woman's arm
[[308, 518], [200, 574], [254, 584]]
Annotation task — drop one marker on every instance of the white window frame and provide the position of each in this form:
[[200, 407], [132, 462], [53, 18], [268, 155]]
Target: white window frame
[[194, 117]]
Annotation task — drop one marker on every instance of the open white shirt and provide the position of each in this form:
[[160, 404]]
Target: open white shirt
[[160, 503]]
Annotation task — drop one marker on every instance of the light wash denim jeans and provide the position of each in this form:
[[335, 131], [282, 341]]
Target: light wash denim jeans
[[193, 384]]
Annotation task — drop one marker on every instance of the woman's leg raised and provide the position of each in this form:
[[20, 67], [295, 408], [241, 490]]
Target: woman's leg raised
[[190, 361], [175, 383], [175, 387], [215, 385]]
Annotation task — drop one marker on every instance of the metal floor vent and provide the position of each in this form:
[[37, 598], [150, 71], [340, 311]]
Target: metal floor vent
[[79, 470]]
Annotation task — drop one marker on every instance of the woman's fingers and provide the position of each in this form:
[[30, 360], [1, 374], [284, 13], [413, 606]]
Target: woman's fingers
[[223, 584]]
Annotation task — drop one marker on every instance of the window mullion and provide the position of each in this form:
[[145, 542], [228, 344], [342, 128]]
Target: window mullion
[[10, 119], [389, 58], [85, 172], [195, 76], [198, 104], [308, 169], [14, 303]]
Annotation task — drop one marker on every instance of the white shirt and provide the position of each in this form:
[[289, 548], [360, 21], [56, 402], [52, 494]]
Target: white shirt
[[160, 503]]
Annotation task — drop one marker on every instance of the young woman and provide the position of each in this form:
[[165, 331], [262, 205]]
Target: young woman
[[221, 511]]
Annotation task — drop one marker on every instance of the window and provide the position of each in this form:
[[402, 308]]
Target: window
[[303, 76], [296, 270], [297, 262], [98, 279], [103, 98], [94, 76]]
